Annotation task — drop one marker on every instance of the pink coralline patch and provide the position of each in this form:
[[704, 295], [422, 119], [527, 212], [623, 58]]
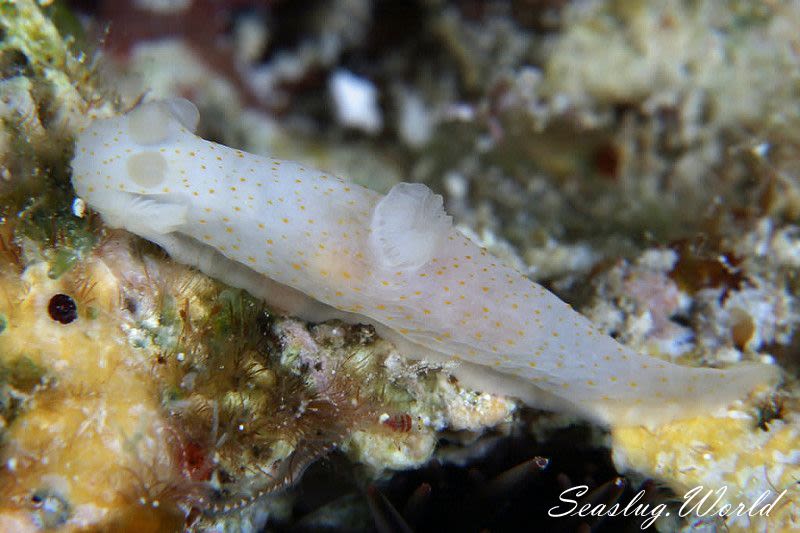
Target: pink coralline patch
[[295, 334], [657, 293], [650, 300]]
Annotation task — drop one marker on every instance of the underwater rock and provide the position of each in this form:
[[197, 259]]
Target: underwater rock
[[163, 400]]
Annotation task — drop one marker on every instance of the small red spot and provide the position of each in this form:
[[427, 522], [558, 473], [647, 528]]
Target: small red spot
[[606, 160], [195, 462], [401, 422]]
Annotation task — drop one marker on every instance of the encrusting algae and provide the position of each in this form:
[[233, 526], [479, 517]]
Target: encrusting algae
[[136, 392]]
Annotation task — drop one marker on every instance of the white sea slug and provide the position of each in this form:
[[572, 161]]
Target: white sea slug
[[320, 247]]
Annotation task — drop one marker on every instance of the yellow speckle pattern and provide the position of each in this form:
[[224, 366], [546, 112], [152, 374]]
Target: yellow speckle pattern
[[446, 295]]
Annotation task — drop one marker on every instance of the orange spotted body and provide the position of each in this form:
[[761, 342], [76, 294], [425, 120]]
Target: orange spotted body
[[320, 247]]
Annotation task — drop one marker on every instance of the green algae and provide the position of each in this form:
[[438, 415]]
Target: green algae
[[22, 373], [91, 312], [166, 333], [19, 378], [51, 232], [49, 38], [68, 25]]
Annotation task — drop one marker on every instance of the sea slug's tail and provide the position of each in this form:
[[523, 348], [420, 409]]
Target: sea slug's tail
[[700, 392]]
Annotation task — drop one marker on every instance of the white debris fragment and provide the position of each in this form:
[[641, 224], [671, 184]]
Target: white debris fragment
[[415, 123], [456, 185], [786, 246], [78, 208], [163, 7], [658, 259], [251, 36], [761, 149], [356, 101]]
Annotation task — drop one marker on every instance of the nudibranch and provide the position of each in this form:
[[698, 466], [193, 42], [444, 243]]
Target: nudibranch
[[319, 247]]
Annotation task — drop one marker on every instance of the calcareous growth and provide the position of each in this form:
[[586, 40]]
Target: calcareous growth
[[320, 248]]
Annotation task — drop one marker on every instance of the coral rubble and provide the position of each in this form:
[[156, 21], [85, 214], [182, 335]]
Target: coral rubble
[[639, 158]]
